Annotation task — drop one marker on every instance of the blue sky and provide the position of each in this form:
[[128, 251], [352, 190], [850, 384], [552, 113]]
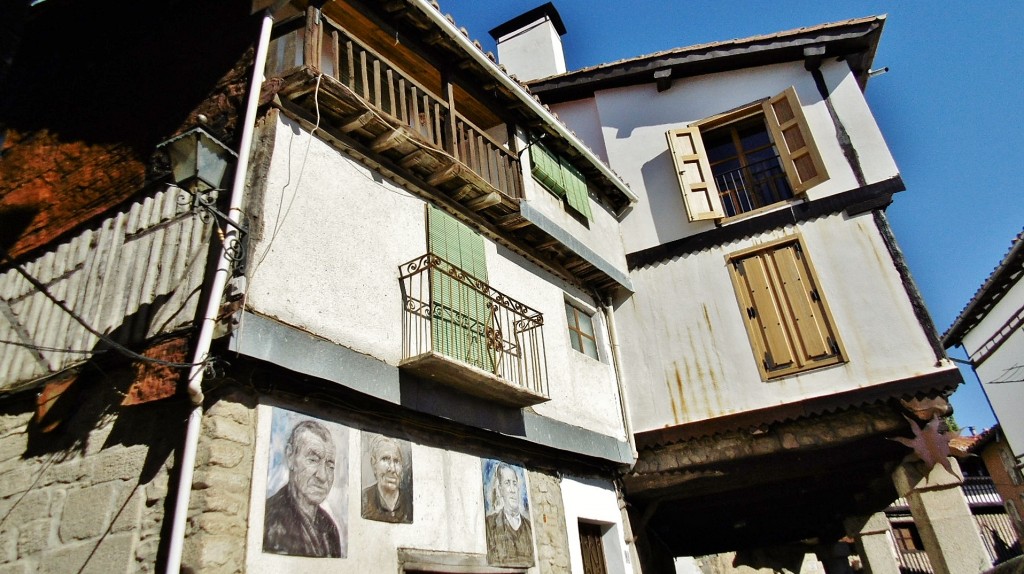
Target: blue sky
[[950, 108]]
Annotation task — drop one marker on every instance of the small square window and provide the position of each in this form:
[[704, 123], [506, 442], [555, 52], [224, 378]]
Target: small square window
[[581, 331]]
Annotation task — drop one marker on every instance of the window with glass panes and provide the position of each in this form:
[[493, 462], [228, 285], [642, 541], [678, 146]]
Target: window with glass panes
[[746, 166], [581, 330]]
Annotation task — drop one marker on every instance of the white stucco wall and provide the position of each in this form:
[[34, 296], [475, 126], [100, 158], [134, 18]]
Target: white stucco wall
[[601, 234], [687, 355], [326, 261], [594, 501], [634, 120], [1006, 363]]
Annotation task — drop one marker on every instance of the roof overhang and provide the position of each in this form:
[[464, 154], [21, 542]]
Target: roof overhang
[[1002, 279], [853, 40]]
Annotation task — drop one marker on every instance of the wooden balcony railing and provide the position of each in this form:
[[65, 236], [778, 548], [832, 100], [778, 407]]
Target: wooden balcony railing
[[394, 94], [452, 313]]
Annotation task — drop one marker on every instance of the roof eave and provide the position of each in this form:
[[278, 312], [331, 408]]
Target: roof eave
[[857, 39]]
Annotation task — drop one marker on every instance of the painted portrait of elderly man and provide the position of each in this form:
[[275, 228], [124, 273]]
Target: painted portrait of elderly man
[[387, 479], [507, 515], [306, 481]]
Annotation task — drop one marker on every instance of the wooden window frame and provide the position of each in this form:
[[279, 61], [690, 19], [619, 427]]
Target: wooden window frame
[[775, 324], [576, 333], [784, 116]]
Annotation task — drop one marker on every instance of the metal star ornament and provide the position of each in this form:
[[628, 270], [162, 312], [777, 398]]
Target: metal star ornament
[[929, 444]]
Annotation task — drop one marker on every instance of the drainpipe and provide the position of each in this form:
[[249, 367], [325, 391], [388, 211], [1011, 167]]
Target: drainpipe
[[609, 317], [216, 294]]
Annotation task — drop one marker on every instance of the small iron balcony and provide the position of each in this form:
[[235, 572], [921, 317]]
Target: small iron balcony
[[460, 331], [753, 186]]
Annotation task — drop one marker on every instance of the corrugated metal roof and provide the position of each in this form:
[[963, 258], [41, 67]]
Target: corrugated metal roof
[[133, 276]]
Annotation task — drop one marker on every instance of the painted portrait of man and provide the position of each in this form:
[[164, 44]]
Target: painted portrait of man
[[387, 479], [507, 515], [297, 522]]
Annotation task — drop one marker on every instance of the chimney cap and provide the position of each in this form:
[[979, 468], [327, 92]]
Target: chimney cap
[[539, 13]]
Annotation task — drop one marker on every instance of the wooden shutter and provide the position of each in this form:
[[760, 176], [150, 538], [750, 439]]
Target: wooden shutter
[[546, 169], [800, 157], [813, 337], [761, 310], [576, 190], [460, 311], [694, 173], [786, 317]]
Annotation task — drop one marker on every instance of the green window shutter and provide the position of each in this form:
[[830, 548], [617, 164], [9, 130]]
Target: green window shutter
[[546, 169], [461, 312], [576, 190]]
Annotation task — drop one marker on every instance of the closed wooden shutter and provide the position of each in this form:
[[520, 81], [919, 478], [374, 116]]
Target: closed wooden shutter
[[800, 157], [763, 313], [461, 312], [700, 195], [576, 190], [786, 316]]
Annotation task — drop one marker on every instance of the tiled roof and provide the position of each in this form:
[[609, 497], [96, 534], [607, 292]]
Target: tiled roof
[[736, 42]]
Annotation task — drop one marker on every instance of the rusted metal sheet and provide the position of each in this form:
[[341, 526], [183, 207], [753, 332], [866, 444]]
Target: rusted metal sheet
[[133, 276]]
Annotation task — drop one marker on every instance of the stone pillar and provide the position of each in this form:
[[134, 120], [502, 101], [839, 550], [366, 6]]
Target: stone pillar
[[943, 519], [874, 545], [835, 558]]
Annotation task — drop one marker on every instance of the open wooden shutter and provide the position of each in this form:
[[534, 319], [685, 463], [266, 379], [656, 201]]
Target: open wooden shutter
[[763, 313], [694, 172], [576, 190], [460, 311], [800, 157], [546, 168]]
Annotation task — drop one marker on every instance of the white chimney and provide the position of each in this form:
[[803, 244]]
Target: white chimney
[[530, 45]]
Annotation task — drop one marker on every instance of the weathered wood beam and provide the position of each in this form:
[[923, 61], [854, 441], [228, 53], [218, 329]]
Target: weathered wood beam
[[355, 122], [513, 221], [462, 192], [444, 175], [387, 140], [484, 201], [413, 159]]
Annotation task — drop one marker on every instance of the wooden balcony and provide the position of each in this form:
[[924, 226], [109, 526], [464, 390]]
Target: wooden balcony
[[461, 332], [407, 118]]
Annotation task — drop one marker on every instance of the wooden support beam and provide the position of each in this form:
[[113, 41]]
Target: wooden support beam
[[484, 201], [413, 159], [462, 192], [445, 174], [387, 140], [513, 221], [355, 122]]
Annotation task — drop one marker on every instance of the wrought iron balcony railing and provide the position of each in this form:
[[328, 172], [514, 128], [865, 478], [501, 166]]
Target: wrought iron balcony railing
[[394, 94], [452, 314], [753, 186]]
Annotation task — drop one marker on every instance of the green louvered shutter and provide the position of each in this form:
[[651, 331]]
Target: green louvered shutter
[[576, 190], [461, 314], [546, 169]]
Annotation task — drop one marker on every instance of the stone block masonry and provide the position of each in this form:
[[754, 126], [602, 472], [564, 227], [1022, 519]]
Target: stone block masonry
[[83, 501], [219, 506], [549, 519]]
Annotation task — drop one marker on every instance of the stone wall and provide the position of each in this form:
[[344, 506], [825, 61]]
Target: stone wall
[[549, 519], [219, 506], [89, 495]]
